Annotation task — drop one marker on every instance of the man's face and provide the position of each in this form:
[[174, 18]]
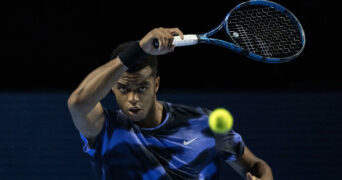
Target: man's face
[[136, 93]]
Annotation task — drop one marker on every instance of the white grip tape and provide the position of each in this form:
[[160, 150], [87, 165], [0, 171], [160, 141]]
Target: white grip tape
[[190, 39]]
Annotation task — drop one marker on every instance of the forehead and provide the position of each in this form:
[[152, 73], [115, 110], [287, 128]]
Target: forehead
[[138, 77]]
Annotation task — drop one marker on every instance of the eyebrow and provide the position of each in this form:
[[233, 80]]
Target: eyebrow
[[143, 83], [140, 84]]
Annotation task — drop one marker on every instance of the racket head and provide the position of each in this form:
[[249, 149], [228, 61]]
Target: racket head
[[264, 31]]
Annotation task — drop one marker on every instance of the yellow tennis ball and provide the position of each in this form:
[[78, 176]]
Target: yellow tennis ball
[[220, 121]]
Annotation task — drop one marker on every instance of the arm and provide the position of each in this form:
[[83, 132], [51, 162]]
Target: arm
[[252, 167], [84, 103]]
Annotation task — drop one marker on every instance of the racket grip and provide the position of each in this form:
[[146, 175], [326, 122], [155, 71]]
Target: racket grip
[[190, 39]]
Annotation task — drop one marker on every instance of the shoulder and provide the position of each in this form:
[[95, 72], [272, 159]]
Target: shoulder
[[116, 119], [110, 113], [187, 109]]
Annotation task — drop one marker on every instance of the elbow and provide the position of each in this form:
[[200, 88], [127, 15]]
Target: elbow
[[72, 102], [75, 102]]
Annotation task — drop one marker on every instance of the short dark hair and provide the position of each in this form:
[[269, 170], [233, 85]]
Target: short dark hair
[[148, 60]]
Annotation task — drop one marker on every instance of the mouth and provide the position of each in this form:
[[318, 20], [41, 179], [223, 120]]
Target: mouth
[[133, 110]]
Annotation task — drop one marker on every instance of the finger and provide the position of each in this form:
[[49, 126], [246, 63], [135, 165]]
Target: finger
[[160, 36], [169, 45], [170, 41], [164, 40], [167, 38], [249, 176], [177, 31]]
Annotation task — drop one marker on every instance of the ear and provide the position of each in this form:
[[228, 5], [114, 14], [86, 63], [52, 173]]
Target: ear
[[156, 83]]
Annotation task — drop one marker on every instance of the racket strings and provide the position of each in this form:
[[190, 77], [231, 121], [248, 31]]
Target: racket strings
[[265, 31]]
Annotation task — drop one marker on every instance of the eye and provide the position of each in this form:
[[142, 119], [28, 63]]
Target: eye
[[122, 89], [142, 89]]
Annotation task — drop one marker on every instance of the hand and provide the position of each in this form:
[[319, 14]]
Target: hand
[[249, 176], [165, 38]]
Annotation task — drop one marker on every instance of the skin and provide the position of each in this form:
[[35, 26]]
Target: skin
[[138, 91], [136, 96]]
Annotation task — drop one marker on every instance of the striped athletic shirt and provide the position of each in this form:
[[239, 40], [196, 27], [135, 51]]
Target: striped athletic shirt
[[181, 147]]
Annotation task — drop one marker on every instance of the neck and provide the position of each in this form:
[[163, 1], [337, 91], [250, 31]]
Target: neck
[[154, 117]]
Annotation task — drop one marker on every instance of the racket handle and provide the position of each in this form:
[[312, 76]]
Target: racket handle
[[190, 39]]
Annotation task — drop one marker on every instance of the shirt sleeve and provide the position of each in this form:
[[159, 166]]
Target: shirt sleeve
[[97, 144], [230, 145], [96, 151]]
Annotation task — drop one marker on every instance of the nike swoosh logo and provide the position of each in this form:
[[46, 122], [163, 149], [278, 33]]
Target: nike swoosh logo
[[188, 142]]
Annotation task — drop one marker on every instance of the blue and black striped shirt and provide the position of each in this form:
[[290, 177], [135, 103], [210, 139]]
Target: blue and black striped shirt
[[181, 147]]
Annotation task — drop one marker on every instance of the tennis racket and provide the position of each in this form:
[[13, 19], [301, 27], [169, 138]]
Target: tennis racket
[[261, 30]]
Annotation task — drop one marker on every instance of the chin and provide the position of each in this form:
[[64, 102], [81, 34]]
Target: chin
[[135, 118]]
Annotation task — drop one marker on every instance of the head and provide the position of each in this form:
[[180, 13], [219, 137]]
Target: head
[[136, 89]]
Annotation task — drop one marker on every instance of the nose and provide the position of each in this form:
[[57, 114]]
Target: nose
[[133, 97]]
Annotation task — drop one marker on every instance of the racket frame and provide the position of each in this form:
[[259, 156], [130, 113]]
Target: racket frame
[[193, 39]]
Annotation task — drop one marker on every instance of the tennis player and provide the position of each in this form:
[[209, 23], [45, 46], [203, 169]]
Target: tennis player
[[147, 138]]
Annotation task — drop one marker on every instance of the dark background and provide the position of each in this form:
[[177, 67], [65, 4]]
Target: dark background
[[288, 114], [55, 44]]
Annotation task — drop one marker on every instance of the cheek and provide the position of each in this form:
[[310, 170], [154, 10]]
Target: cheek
[[149, 95], [120, 99], [147, 99]]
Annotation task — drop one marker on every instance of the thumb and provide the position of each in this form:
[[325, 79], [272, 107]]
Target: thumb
[[249, 176]]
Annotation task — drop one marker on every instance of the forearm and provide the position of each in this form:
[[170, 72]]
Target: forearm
[[97, 85], [262, 170]]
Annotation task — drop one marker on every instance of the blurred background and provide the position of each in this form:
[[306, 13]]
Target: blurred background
[[289, 114]]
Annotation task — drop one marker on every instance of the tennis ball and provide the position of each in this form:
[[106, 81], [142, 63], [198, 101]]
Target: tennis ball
[[220, 121]]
